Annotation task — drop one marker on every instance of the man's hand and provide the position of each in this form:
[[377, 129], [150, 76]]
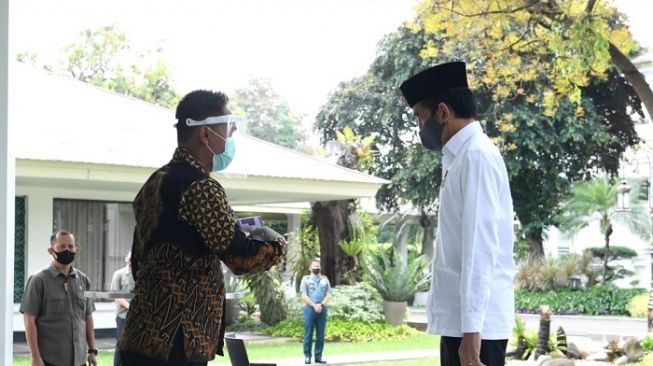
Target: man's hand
[[37, 361], [91, 359], [470, 350], [318, 308]]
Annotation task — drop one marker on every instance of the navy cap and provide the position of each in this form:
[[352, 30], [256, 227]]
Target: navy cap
[[433, 81]]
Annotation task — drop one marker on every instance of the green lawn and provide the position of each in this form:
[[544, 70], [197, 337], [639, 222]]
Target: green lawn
[[259, 351]]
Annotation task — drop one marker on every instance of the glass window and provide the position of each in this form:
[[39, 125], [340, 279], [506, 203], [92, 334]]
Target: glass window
[[103, 232]]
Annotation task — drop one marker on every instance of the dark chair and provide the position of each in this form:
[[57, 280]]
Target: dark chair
[[238, 353]]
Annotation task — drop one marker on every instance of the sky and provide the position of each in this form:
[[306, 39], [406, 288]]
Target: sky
[[306, 47]]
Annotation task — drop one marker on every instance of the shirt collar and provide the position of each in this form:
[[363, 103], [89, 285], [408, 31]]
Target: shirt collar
[[54, 271], [181, 154], [457, 141]]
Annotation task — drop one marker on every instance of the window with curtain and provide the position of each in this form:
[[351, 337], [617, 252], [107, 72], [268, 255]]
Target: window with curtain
[[103, 232]]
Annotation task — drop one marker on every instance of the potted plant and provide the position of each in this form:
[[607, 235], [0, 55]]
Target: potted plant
[[396, 281]]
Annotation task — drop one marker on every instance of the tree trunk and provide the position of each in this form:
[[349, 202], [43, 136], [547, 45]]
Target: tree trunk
[[606, 254], [634, 77], [428, 223], [332, 222], [542, 347], [534, 239]]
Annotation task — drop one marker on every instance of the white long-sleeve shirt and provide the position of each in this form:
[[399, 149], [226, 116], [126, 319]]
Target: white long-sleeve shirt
[[472, 288]]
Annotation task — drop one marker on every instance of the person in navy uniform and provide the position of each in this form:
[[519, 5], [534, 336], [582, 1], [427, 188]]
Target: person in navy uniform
[[316, 293]]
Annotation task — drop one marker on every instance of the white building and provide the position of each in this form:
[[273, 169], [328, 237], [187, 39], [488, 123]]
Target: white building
[[636, 166], [82, 154]]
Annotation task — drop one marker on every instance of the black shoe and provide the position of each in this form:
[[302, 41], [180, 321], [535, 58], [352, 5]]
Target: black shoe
[[320, 361], [307, 360]]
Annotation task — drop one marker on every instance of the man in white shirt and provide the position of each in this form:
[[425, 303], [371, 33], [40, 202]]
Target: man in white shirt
[[471, 300]]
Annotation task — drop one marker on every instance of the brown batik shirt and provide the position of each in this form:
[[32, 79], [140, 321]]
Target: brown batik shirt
[[184, 227]]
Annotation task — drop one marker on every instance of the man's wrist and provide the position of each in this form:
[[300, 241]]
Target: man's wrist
[[92, 351]]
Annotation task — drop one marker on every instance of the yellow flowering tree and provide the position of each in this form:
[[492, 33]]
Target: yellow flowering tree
[[544, 154], [519, 43]]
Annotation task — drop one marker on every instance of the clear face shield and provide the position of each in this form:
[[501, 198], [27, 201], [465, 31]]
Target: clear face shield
[[237, 133]]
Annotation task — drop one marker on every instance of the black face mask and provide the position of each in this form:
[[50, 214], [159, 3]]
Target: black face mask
[[431, 134], [315, 271], [65, 257]]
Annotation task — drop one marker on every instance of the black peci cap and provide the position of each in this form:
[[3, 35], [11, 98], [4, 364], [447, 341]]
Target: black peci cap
[[433, 81]]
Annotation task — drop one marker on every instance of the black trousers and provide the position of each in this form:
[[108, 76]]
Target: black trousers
[[120, 323], [177, 357], [493, 352]]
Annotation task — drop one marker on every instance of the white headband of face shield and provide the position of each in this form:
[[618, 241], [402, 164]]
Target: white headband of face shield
[[228, 118]]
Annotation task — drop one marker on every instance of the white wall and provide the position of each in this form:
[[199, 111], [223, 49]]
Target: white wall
[[38, 219]]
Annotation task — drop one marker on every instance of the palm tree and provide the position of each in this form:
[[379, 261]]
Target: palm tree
[[597, 200]]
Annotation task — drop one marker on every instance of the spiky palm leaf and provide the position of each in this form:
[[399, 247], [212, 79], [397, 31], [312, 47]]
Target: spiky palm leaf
[[394, 280]]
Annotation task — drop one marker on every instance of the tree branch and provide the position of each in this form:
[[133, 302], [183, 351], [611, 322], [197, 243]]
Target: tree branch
[[529, 4], [590, 6], [634, 77]]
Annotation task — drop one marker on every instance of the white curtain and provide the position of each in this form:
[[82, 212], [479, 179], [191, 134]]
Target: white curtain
[[103, 233]]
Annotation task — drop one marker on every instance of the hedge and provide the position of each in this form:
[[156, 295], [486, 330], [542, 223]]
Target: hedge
[[598, 300]]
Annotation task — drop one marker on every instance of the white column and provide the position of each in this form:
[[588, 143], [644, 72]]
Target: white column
[[7, 197], [38, 211], [294, 222]]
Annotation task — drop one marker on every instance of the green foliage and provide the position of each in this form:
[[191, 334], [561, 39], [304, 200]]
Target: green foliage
[[616, 252], [352, 248], [234, 284], [345, 330], [245, 324], [544, 154], [394, 280], [268, 115], [104, 58], [614, 271], [647, 343], [596, 200], [562, 45], [542, 274], [638, 306], [268, 290], [248, 304], [356, 302], [304, 248], [359, 301], [519, 329], [598, 300], [531, 338]]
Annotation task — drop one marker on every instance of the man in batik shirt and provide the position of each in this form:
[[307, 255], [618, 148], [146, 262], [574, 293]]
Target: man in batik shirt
[[184, 228]]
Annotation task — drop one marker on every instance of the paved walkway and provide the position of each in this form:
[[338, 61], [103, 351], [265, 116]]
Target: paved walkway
[[600, 328]]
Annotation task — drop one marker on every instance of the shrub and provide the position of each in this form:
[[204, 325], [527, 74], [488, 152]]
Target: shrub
[[268, 290], [647, 344], [345, 330], [244, 324], [358, 302], [638, 306], [394, 280], [553, 273], [598, 300]]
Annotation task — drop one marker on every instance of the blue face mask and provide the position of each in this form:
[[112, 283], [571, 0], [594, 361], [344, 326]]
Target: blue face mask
[[222, 161]]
